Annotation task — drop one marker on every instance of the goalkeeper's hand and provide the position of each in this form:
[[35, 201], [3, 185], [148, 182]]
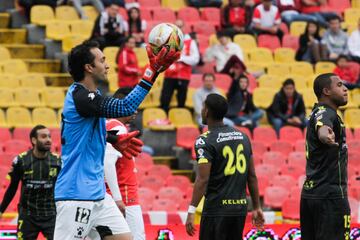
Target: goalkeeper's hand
[[159, 62], [128, 145], [133, 149]]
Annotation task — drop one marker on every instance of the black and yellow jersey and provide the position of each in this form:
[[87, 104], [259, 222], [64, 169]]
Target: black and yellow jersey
[[326, 167], [229, 152]]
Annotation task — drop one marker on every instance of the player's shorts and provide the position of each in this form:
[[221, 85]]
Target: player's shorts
[[78, 219], [325, 219], [220, 227], [29, 227]]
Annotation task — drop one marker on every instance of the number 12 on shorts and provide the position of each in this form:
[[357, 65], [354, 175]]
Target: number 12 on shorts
[[82, 215]]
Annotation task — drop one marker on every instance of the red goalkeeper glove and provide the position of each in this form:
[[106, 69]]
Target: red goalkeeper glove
[[133, 149], [123, 140]]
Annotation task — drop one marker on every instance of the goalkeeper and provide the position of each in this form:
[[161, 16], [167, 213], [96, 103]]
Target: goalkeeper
[[81, 203]]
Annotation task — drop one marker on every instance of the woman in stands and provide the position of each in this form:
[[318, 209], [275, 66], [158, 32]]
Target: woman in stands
[[137, 26], [310, 47]]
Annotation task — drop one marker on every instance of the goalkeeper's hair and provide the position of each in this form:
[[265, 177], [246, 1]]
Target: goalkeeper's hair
[[217, 106]]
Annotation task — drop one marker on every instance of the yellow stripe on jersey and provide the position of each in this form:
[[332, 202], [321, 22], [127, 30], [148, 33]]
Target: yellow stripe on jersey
[[203, 160], [318, 124]]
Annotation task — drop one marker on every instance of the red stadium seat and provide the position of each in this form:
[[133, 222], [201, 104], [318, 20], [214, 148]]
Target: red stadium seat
[[244, 130], [290, 41], [146, 14], [203, 42], [16, 146], [339, 6], [211, 14], [149, 3], [6, 159], [186, 136], [189, 192], [264, 134], [188, 14], [184, 204], [168, 205], [274, 158], [301, 180], [206, 68], [299, 145], [146, 194], [162, 171], [22, 134], [257, 158], [291, 134], [357, 133], [146, 205], [171, 193], [164, 14], [353, 169], [5, 134], [178, 181], [292, 170], [55, 135], [354, 192], [284, 28], [268, 41], [223, 81], [354, 155], [144, 159], [203, 27], [295, 192], [154, 182], [266, 170], [196, 81], [291, 209], [281, 146], [349, 134], [353, 145], [297, 158], [142, 171], [258, 147], [354, 205], [263, 183], [123, 13], [274, 197], [285, 181]]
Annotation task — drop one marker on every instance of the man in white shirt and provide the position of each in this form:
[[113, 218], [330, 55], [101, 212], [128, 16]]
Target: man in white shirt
[[354, 44]]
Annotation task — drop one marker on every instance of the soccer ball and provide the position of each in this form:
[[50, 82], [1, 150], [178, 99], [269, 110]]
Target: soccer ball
[[168, 35]]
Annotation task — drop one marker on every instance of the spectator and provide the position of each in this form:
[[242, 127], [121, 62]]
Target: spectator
[[233, 18], [28, 4], [136, 25], [205, 3], [313, 7], [289, 10], [266, 19], [346, 73], [79, 3], [128, 69], [110, 28], [287, 108], [310, 44], [177, 76], [354, 44], [225, 54], [119, 3], [335, 40], [242, 110]]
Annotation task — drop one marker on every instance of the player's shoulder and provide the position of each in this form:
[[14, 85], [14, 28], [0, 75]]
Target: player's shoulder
[[55, 155], [319, 111]]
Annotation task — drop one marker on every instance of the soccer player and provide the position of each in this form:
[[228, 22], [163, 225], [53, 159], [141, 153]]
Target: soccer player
[[37, 169], [81, 203], [225, 166], [324, 210], [120, 175]]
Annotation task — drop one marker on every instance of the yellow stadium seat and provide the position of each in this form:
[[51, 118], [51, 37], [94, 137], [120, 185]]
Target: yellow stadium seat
[[59, 118], [245, 41], [284, 55], [71, 41], [324, 67], [352, 15], [279, 69], [45, 116], [41, 14], [9, 81], [309, 97], [351, 29], [66, 13], [53, 97], [300, 81], [152, 114], [4, 53], [262, 55], [263, 96], [7, 98], [28, 97], [213, 39], [174, 5], [352, 118], [355, 3], [270, 81], [255, 67], [32, 81], [14, 66], [189, 98], [111, 54], [57, 30], [297, 28], [90, 12], [141, 56], [3, 122], [18, 117], [355, 95], [148, 102], [113, 82], [181, 117], [301, 68], [82, 27]]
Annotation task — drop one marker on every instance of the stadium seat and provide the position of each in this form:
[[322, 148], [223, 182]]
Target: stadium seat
[[223, 81], [284, 147], [203, 42], [168, 205], [284, 55], [189, 192], [153, 182], [285, 181], [151, 114], [349, 134], [309, 97], [290, 41], [354, 144], [149, 3], [297, 28], [141, 56], [274, 158], [255, 67], [45, 116], [14, 66], [66, 13], [175, 5], [295, 192], [21, 134], [188, 15], [186, 136], [32, 81], [351, 16], [6, 159], [269, 81], [16, 146], [211, 14], [301, 68], [184, 205], [263, 183], [264, 134], [261, 97], [53, 97], [355, 3], [204, 27], [55, 134], [4, 53], [144, 158], [41, 14], [267, 170], [5, 135], [28, 97], [160, 170], [259, 147], [69, 42], [293, 170], [178, 181], [290, 134], [357, 133], [291, 209], [268, 41], [339, 5], [245, 131], [278, 69], [146, 195], [274, 197], [245, 41], [18, 117], [263, 55], [8, 80], [83, 28], [164, 14], [297, 158], [324, 67], [110, 54], [181, 117], [90, 12], [171, 193], [300, 81], [352, 118], [57, 30], [7, 98], [354, 204]]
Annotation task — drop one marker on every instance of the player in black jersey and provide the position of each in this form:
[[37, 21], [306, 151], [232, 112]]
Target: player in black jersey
[[37, 169], [324, 210], [225, 166]]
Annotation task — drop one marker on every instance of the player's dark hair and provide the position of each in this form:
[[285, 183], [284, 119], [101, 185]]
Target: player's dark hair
[[208, 75], [342, 56], [288, 81], [33, 132], [122, 92], [217, 106], [322, 81], [78, 57]]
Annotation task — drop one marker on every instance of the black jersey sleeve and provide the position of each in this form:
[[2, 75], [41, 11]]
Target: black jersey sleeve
[[324, 116], [15, 177], [204, 153]]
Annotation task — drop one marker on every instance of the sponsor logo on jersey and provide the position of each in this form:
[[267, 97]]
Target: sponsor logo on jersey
[[229, 136]]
